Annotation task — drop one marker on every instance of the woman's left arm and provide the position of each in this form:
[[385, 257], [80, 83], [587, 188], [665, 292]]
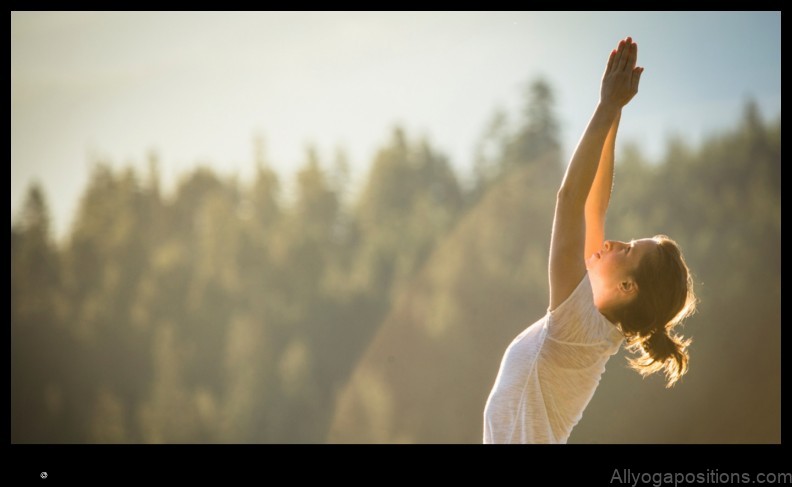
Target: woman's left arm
[[599, 195]]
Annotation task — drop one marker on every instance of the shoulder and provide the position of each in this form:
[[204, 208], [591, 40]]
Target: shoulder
[[577, 319], [581, 296]]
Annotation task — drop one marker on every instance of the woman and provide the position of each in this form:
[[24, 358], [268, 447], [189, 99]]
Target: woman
[[601, 293]]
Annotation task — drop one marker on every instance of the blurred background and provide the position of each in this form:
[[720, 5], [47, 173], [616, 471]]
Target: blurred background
[[295, 227]]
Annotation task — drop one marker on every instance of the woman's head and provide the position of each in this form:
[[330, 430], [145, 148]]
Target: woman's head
[[645, 286]]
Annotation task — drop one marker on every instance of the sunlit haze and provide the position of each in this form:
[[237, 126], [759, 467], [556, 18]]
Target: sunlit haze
[[337, 227], [197, 88]]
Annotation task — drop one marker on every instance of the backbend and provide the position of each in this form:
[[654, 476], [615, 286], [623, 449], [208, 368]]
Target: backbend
[[602, 293]]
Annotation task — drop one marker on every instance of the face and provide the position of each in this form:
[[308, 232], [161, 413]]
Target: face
[[611, 270]]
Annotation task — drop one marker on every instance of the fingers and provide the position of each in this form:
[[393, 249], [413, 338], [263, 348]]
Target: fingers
[[617, 62], [611, 59], [636, 77], [627, 59], [633, 55]]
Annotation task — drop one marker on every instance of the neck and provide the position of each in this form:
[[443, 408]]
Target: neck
[[609, 315]]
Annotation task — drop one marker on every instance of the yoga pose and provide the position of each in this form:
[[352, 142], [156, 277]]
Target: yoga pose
[[602, 294]]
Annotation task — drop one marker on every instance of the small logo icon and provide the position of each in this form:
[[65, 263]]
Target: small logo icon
[[43, 475]]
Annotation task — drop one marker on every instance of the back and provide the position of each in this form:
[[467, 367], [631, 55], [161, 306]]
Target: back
[[549, 373]]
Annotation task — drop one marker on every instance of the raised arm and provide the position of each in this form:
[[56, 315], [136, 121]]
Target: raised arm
[[567, 243], [599, 195]]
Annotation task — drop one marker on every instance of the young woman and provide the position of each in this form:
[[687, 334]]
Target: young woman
[[601, 293]]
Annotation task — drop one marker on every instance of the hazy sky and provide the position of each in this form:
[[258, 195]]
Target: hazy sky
[[197, 87]]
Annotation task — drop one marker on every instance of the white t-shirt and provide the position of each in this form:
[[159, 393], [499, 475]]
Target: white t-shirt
[[549, 373]]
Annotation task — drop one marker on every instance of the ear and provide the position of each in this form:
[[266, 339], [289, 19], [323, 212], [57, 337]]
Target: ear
[[628, 287]]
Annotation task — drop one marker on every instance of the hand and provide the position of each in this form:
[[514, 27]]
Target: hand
[[621, 78]]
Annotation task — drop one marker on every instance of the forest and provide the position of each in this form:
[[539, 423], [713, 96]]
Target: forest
[[226, 311]]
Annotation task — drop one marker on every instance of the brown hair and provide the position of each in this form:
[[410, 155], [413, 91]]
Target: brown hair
[[665, 298]]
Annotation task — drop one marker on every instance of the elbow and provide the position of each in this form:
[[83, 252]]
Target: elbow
[[571, 200], [565, 195]]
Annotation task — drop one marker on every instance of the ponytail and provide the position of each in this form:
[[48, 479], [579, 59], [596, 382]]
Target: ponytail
[[660, 351], [665, 298]]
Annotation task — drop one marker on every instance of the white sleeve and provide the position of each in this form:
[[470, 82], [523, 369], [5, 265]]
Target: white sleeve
[[579, 335], [577, 320]]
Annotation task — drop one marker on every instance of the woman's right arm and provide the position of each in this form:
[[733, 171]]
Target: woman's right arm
[[567, 243]]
